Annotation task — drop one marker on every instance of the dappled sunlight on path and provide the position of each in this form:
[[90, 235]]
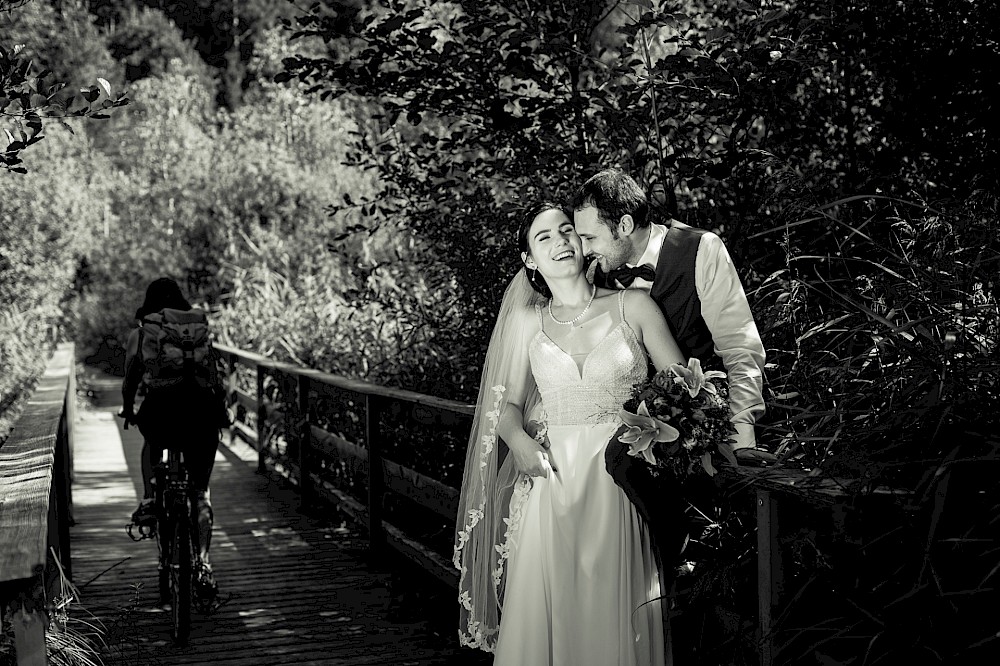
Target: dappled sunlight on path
[[298, 588]]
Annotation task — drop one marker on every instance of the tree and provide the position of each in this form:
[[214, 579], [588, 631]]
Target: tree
[[225, 34], [148, 43], [48, 224], [161, 156], [918, 98], [482, 106], [27, 98]]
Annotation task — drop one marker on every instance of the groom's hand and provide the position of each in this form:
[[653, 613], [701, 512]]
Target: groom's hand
[[744, 446], [745, 437], [755, 457], [537, 431], [592, 267]]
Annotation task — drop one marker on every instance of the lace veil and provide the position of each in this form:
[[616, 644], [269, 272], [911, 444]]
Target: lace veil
[[483, 526]]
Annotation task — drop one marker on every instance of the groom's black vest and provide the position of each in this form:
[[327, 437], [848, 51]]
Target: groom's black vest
[[675, 292]]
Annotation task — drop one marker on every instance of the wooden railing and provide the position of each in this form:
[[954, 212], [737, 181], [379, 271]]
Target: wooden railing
[[36, 506], [288, 411], [788, 502], [310, 448]]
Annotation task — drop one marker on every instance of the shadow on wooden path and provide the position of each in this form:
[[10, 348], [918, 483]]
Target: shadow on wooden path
[[299, 588]]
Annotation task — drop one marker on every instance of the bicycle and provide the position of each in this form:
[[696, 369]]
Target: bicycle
[[173, 528]]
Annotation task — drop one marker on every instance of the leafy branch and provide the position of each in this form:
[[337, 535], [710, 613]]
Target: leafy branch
[[27, 101]]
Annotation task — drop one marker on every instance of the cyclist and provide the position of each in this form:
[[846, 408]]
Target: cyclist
[[184, 415]]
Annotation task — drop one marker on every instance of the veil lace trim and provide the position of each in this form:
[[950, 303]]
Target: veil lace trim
[[475, 634], [493, 494], [513, 522]]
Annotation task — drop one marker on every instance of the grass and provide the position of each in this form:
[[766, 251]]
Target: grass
[[73, 635]]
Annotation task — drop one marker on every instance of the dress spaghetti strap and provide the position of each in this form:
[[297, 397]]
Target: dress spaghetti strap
[[621, 305]]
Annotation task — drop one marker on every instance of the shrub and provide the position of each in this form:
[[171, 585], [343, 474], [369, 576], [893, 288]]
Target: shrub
[[47, 224]]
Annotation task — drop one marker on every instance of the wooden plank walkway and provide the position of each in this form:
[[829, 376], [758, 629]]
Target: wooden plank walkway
[[302, 591]]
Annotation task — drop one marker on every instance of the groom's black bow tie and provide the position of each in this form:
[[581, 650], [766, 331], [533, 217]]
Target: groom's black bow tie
[[626, 275]]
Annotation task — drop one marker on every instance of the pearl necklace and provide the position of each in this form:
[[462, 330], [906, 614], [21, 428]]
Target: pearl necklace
[[593, 292]]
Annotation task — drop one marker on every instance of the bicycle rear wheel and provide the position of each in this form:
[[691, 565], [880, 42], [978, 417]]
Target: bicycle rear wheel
[[164, 537], [180, 577]]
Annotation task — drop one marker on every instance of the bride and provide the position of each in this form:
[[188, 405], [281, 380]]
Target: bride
[[555, 565]]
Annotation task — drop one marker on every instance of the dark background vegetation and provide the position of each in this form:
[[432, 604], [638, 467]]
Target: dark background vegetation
[[336, 183]]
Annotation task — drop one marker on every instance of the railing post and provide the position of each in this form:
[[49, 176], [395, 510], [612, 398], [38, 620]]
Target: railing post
[[34, 528], [60, 507], [56, 540], [376, 481], [288, 390], [261, 418], [231, 387], [305, 435], [29, 637], [769, 573], [70, 420]]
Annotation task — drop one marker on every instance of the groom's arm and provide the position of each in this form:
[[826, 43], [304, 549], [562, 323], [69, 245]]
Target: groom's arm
[[726, 312]]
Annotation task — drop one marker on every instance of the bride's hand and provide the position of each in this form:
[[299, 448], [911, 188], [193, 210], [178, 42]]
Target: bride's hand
[[531, 458]]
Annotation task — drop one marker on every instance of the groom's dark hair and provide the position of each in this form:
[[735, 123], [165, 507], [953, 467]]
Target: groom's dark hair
[[613, 193]]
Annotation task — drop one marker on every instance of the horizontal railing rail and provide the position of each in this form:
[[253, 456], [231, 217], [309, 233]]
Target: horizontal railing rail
[[312, 443], [36, 505]]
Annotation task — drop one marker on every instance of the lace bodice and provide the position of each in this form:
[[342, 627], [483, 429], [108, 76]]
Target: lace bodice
[[595, 395]]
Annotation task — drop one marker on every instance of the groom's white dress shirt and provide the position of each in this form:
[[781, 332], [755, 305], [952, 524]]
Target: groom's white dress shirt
[[726, 312]]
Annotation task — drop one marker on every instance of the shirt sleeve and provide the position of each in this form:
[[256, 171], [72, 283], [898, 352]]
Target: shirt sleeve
[[726, 312]]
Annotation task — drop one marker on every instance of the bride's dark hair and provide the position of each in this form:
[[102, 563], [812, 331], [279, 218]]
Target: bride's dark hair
[[162, 293], [529, 215]]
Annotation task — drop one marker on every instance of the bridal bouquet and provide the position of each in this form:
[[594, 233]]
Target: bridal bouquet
[[679, 419]]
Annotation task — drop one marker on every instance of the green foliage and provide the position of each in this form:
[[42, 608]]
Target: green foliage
[[147, 43], [43, 240], [840, 149], [68, 50], [154, 217], [884, 351], [482, 106]]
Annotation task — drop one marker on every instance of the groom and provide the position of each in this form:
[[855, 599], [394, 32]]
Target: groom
[[688, 273]]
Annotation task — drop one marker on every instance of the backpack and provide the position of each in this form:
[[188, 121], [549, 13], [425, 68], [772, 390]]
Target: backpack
[[176, 346]]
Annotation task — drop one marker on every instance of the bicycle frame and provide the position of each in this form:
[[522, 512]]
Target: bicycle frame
[[176, 540], [172, 491]]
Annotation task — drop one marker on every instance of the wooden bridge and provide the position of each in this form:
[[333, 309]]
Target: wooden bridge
[[318, 559], [300, 583]]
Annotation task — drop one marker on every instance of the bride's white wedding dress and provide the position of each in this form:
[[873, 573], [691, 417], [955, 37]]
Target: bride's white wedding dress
[[580, 565]]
